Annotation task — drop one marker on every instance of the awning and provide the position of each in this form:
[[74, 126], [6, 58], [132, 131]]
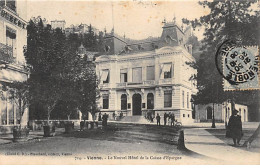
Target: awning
[[167, 68], [10, 75], [123, 70], [104, 75]]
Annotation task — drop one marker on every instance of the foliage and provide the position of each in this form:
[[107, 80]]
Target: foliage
[[226, 20], [59, 75], [18, 92]]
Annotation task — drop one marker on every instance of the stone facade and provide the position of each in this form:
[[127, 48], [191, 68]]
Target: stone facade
[[13, 41], [147, 77]]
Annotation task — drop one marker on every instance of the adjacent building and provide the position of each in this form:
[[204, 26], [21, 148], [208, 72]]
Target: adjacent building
[[222, 112], [13, 41], [58, 24], [80, 29], [148, 77]]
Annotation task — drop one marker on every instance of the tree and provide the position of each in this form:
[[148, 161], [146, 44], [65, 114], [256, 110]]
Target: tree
[[60, 75], [18, 92], [228, 19], [89, 91], [46, 53]]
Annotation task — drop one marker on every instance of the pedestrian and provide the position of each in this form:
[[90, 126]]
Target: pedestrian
[[104, 119], [172, 120], [165, 118], [158, 118], [235, 127], [114, 115], [169, 119], [99, 117], [121, 115]]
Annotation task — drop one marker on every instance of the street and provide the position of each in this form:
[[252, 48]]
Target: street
[[119, 141]]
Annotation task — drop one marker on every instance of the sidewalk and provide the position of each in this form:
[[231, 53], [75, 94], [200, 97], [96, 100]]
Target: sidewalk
[[8, 138], [207, 143]]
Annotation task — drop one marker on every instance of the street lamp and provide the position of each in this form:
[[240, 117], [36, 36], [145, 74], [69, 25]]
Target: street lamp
[[213, 118]]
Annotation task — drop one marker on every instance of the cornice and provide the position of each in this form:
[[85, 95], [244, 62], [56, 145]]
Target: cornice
[[12, 17]]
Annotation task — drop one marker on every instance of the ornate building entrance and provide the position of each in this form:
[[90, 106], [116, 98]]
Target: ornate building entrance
[[137, 104]]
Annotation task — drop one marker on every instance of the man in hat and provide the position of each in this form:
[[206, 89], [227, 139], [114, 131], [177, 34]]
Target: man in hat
[[235, 127]]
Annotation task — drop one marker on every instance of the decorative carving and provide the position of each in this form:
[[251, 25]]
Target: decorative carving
[[12, 18]]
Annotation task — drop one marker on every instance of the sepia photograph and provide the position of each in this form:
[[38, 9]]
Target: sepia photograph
[[129, 82]]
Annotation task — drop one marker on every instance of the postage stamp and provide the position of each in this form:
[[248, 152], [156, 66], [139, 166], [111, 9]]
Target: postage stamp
[[240, 66]]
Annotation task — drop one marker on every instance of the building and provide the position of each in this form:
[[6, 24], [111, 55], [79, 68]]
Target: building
[[80, 29], [13, 41], [58, 24], [222, 112], [148, 77]]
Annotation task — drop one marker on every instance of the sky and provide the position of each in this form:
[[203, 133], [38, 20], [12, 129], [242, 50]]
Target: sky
[[136, 19]]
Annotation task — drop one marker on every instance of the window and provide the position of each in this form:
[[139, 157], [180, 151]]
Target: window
[[105, 101], [137, 75], [11, 40], [123, 102], [150, 73], [183, 115], [168, 98], [105, 76], [188, 100], [11, 4], [150, 101], [183, 101], [167, 70], [188, 116], [123, 75]]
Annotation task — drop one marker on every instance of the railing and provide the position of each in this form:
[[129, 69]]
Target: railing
[[6, 53], [165, 81], [143, 83], [105, 85]]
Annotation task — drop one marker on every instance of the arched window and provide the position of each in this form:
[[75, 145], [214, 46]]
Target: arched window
[[123, 102], [209, 113], [150, 101]]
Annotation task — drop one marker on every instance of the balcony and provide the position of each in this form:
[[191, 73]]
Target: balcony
[[6, 54], [105, 85], [133, 84], [166, 81]]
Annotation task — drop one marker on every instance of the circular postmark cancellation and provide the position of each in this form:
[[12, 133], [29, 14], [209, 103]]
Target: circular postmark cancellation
[[240, 65]]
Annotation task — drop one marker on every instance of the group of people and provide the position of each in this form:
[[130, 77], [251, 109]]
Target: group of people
[[168, 117], [115, 116]]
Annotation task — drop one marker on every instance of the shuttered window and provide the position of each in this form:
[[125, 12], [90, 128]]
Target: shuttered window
[[150, 73], [167, 98], [123, 75], [137, 75]]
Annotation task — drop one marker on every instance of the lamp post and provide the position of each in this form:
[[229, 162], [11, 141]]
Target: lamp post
[[213, 118], [213, 109]]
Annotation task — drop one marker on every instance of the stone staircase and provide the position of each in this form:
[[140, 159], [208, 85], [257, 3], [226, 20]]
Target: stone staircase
[[135, 119]]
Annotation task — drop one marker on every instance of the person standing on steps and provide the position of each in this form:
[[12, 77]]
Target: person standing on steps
[[235, 127], [165, 118], [158, 118], [172, 119]]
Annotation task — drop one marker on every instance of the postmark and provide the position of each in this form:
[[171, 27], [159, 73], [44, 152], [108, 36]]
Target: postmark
[[240, 66]]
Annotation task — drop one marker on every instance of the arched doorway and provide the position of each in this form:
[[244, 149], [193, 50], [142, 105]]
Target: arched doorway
[[137, 102], [209, 113]]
